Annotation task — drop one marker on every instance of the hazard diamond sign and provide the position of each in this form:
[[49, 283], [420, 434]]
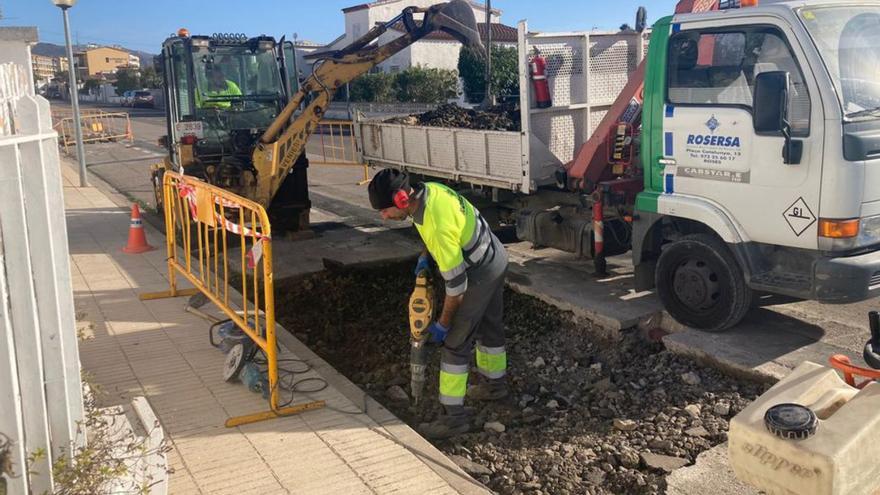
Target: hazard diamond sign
[[799, 217]]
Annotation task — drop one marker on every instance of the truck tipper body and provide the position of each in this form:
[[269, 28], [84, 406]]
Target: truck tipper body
[[742, 154]]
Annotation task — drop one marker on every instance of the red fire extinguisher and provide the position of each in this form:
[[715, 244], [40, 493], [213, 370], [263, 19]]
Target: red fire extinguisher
[[538, 70]]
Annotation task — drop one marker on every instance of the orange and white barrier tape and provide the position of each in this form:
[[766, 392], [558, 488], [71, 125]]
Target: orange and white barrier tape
[[256, 252]]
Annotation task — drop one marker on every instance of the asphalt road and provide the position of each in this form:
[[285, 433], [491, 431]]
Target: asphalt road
[[776, 331], [126, 165]]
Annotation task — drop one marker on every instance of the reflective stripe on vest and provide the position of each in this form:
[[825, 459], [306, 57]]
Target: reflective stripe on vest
[[454, 232]]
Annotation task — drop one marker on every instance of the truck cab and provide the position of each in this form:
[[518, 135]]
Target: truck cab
[[222, 92], [761, 157]]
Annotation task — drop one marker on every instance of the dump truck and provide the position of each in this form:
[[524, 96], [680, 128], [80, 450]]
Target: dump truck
[[741, 155]]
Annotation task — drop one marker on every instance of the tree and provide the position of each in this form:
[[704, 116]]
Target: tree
[[150, 78], [126, 80], [426, 85], [505, 73], [374, 88], [91, 84], [61, 77]]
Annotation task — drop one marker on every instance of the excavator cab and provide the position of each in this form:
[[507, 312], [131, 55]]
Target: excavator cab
[[239, 117]]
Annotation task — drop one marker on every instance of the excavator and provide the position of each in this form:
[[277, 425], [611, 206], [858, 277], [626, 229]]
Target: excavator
[[234, 118]]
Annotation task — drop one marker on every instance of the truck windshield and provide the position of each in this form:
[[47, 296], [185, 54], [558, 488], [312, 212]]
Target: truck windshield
[[848, 39], [239, 82]]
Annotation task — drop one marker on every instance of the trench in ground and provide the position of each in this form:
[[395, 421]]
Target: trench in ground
[[584, 416]]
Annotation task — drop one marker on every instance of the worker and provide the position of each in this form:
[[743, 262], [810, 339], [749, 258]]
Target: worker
[[473, 263], [218, 87]]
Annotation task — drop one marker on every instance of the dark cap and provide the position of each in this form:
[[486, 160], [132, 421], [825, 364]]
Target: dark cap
[[791, 421], [383, 186]]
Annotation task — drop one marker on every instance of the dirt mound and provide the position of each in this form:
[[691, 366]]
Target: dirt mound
[[585, 416], [499, 118]]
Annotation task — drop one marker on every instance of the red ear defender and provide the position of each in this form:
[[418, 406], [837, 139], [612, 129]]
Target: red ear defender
[[401, 199]]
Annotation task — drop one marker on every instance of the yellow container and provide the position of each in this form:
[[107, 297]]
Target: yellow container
[[840, 457]]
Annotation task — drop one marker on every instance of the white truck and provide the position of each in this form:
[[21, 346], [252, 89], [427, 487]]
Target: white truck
[[743, 154]]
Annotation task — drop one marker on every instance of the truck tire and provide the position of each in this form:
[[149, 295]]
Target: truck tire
[[701, 284]]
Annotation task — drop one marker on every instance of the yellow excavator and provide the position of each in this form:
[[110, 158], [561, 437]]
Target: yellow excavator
[[233, 114]]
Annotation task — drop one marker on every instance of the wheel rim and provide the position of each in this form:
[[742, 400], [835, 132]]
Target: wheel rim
[[695, 284]]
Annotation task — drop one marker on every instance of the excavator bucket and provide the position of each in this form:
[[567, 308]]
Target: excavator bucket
[[457, 19]]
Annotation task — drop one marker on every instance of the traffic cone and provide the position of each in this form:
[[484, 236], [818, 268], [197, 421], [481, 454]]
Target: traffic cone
[[137, 240]]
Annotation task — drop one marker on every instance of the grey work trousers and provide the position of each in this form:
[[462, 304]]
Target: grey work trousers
[[478, 321]]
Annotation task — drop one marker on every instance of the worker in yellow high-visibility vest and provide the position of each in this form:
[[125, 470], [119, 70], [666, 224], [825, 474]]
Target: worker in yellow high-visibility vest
[[218, 86], [473, 263]]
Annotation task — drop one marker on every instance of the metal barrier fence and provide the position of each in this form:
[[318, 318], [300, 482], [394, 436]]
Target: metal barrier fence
[[338, 146], [201, 223], [97, 126]]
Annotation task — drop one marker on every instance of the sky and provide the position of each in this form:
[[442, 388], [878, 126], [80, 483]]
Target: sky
[[144, 25]]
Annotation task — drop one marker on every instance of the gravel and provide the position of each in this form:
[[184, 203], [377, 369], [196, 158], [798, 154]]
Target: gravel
[[499, 118], [562, 423]]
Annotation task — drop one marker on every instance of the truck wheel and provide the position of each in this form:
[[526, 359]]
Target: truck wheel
[[701, 284]]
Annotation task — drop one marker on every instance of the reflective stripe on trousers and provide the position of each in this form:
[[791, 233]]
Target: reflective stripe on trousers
[[491, 361], [453, 383]]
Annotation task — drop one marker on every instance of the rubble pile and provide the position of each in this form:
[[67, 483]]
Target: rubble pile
[[585, 416], [499, 118]]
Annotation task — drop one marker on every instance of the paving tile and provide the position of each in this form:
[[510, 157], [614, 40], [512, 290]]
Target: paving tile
[[157, 349]]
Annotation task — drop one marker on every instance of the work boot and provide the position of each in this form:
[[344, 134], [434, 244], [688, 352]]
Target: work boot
[[489, 390], [454, 421]]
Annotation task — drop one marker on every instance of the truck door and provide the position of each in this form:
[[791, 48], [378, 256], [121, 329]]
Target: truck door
[[711, 148]]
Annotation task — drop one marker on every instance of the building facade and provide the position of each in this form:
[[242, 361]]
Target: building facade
[[437, 50], [44, 68], [102, 60]]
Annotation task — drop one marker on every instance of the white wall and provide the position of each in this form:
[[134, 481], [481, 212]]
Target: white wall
[[19, 53], [357, 24], [402, 59], [436, 54]]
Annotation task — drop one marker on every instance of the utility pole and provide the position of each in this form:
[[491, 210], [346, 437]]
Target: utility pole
[[295, 71], [64, 5], [489, 98]]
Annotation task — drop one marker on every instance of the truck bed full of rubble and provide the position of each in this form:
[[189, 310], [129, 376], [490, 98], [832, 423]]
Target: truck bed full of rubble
[[499, 118]]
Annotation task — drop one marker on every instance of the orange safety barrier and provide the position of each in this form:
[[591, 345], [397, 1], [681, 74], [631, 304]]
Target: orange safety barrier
[[850, 371], [203, 223], [338, 146], [97, 126]]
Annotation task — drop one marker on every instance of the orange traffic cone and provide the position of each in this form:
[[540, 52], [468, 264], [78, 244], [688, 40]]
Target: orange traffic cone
[[137, 240]]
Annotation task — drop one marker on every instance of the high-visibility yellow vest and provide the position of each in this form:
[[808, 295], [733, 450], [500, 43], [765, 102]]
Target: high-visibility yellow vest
[[455, 233], [231, 89]]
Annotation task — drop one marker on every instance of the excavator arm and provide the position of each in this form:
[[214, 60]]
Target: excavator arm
[[285, 139]]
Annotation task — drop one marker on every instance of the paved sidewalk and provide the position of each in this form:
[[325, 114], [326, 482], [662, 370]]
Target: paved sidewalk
[[156, 349]]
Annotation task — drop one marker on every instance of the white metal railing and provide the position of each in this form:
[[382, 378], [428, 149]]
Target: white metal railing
[[41, 404]]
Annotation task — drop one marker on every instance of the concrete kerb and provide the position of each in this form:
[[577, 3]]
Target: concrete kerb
[[394, 429]]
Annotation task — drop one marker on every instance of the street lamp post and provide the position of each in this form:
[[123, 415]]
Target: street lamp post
[[489, 98], [295, 71], [74, 92]]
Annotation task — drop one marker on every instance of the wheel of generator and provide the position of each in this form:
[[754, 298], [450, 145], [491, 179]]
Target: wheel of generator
[[235, 360], [701, 284]]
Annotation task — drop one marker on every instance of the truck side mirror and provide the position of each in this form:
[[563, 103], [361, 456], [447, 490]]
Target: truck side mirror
[[770, 112], [771, 102], [163, 141]]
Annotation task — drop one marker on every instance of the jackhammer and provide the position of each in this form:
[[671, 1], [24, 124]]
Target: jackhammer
[[421, 312]]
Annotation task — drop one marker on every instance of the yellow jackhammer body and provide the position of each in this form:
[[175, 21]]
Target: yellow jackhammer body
[[421, 312]]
